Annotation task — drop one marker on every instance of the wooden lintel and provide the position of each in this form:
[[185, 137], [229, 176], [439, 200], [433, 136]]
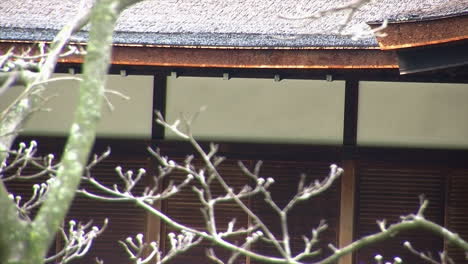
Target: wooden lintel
[[347, 208], [409, 34]]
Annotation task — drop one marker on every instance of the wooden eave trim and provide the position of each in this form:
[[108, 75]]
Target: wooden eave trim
[[284, 59], [422, 33], [243, 58], [255, 59]]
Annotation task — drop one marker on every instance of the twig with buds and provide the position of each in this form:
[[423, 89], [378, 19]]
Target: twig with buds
[[179, 243], [37, 198], [444, 258], [77, 241], [379, 260], [26, 156]]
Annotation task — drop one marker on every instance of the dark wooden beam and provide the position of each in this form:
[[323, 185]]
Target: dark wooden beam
[[351, 113], [159, 104], [433, 57], [263, 151], [449, 75]]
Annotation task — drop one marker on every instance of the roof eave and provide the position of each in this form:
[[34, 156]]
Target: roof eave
[[410, 34]]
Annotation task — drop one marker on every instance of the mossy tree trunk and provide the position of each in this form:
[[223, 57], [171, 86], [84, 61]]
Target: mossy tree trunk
[[23, 242]]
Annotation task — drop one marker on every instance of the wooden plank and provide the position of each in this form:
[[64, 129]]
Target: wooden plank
[[348, 187]]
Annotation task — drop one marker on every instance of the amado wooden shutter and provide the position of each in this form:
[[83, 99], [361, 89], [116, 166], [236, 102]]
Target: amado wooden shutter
[[125, 218], [457, 211], [185, 208], [307, 214], [388, 190]]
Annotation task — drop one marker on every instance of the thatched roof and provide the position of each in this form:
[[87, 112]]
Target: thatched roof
[[228, 23]]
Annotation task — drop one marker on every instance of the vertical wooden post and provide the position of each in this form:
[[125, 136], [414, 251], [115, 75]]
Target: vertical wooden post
[[347, 208], [153, 226], [351, 113], [159, 104], [348, 180], [153, 223]]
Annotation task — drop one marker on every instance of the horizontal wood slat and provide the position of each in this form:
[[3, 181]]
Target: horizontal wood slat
[[389, 190]]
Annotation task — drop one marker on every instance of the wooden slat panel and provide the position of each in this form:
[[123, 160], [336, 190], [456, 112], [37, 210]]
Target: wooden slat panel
[[125, 219], [305, 215], [389, 190], [457, 210], [185, 208]]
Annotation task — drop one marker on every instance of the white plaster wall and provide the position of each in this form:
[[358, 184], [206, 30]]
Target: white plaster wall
[[259, 110], [130, 119], [413, 114]]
